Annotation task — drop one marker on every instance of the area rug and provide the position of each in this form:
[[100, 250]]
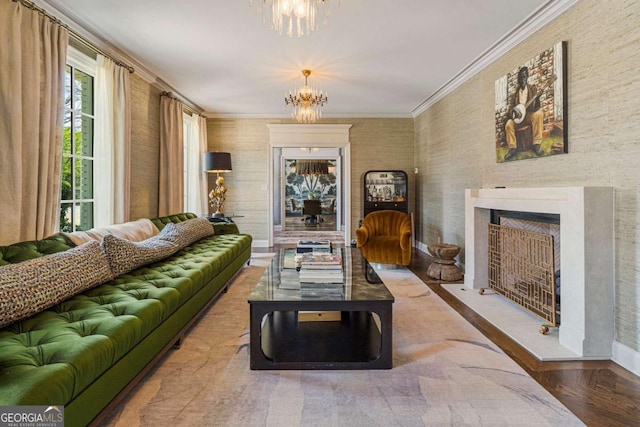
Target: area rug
[[445, 373]]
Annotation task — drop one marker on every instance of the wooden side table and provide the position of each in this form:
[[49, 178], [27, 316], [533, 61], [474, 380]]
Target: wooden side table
[[444, 266]]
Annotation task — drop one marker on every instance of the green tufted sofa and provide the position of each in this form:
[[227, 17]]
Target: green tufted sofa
[[88, 351]]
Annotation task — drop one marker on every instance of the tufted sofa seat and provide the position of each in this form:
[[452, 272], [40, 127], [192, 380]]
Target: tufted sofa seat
[[83, 352]]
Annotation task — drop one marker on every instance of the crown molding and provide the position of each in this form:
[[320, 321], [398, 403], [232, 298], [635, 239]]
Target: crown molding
[[213, 115], [537, 20]]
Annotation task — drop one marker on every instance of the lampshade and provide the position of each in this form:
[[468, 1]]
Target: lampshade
[[215, 161]]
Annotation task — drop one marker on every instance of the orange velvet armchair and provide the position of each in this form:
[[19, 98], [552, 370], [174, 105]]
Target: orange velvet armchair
[[385, 237]]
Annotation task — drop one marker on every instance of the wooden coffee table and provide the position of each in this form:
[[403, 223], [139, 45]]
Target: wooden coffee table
[[357, 336]]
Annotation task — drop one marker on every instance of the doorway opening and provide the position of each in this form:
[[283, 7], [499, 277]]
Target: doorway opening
[[310, 198], [311, 188]]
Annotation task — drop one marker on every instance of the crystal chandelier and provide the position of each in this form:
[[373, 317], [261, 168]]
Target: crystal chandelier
[[285, 14], [306, 103]]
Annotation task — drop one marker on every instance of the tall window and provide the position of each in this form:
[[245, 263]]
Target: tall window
[[188, 146], [194, 177], [77, 195]]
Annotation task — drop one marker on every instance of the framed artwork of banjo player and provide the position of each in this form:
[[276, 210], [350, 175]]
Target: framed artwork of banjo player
[[531, 108]]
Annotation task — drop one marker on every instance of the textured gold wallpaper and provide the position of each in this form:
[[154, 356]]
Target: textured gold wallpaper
[[455, 138], [375, 144]]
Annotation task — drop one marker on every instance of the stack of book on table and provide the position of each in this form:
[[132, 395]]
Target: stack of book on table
[[313, 246], [321, 273]]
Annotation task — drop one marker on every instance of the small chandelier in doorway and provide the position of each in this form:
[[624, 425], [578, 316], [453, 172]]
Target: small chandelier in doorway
[[307, 102], [312, 167]]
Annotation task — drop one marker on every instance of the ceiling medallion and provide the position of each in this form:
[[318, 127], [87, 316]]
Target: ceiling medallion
[[307, 102], [286, 14]]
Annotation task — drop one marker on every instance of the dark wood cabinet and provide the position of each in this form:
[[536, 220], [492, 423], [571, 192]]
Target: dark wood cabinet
[[386, 190]]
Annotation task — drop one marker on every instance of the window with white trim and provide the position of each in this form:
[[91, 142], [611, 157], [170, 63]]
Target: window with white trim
[[77, 186]]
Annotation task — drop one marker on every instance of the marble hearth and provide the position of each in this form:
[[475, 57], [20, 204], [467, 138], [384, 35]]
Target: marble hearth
[[587, 266]]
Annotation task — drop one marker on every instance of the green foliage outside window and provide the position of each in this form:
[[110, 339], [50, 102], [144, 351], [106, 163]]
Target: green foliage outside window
[[76, 190]]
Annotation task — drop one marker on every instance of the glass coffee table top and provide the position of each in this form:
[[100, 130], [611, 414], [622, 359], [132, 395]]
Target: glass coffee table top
[[281, 281]]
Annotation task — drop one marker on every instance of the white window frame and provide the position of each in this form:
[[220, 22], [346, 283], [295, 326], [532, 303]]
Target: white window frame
[[80, 61]]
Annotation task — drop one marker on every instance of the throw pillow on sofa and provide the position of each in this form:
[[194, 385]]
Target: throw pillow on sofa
[[134, 231], [125, 256], [186, 232], [31, 286]]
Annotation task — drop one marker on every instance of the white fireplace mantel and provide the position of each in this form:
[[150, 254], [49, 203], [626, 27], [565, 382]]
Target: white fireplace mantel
[[586, 250]]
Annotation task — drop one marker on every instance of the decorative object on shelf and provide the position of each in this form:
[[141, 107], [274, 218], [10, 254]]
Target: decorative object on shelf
[[215, 161], [385, 189], [307, 102], [284, 13]]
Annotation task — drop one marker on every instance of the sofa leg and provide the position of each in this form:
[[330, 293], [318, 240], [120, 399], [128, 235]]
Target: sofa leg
[[178, 343]]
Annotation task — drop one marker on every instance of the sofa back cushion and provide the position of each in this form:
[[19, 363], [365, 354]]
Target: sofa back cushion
[[23, 251], [125, 256], [34, 285], [162, 221], [134, 231], [186, 232]]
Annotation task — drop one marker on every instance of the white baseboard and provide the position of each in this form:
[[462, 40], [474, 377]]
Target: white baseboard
[[260, 244], [626, 357], [421, 246]]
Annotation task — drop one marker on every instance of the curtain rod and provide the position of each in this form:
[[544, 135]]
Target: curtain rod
[[72, 33], [185, 106]]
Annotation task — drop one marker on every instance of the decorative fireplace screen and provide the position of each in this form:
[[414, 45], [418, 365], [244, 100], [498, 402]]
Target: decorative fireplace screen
[[521, 268]]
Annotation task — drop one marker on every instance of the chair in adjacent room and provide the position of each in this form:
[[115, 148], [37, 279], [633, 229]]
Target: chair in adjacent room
[[312, 209], [385, 237]]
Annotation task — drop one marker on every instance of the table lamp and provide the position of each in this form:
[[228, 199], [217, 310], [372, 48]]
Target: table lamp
[[215, 161]]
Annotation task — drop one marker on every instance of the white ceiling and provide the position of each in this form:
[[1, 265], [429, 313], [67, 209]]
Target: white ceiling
[[375, 58]]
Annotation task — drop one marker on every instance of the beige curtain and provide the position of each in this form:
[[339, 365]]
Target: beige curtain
[[33, 52], [170, 198], [113, 143]]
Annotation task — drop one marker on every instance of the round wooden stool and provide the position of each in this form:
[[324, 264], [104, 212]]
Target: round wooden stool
[[444, 266]]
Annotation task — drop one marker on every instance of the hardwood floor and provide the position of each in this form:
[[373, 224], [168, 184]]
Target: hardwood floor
[[600, 393]]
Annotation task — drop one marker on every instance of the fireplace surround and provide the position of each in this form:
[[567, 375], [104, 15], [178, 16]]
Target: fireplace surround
[[587, 264]]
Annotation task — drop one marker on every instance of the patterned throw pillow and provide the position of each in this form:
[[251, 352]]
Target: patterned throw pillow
[[186, 232], [31, 286], [125, 256]]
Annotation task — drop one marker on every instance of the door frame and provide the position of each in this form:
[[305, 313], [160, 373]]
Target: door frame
[[302, 135]]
